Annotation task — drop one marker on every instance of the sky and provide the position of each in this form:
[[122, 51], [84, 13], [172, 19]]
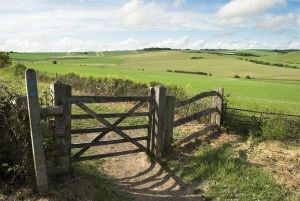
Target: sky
[[98, 25]]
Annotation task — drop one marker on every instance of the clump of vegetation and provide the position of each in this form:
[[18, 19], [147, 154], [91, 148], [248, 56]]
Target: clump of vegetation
[[279, 128], [54, 62], [270, 64], [156, 48], [19, 69], [5, 59], [110, 86], [265, 126], [15, 143], [247, 77], [245, 54], [236, 76], [188, 72], [196, 57]]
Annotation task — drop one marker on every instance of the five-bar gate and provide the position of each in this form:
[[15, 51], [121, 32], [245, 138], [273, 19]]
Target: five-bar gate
[[139, 101]]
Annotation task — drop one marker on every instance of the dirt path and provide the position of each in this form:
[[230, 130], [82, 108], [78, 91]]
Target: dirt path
[[143, 179]]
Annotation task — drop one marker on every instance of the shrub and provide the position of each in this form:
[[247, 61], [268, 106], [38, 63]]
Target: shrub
[[5, 59], [236, 76], [280, 128], [247, 77], [19, 69], [15, 143], [54, 62], [196, 57]]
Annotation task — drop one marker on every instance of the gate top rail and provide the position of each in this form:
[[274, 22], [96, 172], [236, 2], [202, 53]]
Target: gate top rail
[[195, 98], [107, 99]]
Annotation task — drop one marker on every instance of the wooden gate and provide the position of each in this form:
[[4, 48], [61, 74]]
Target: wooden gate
[[111, 127], [159, 111]]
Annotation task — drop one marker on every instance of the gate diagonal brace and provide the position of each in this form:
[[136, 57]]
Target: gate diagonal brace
[[101, 135], [110, 126]]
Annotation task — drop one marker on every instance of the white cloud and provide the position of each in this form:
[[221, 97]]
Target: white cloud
[[181, 43], [294, 45], [246, 8], [276, 23], [74, 45], [178, 2]]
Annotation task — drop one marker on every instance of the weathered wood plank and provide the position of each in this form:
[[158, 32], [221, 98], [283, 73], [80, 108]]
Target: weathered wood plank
[[36, 136], [110, 115], [169, 121], [195, 98], [101, 135], [194, 116], [109, 125], [95, 130], [219, 105], [100, 143], [51, 111], [62, 123], [107, 99], [83, 158], [150, 122], [159, 106]]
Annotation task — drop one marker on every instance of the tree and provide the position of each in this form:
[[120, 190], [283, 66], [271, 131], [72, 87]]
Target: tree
[[54, 62], [19, 69], [5, 59]]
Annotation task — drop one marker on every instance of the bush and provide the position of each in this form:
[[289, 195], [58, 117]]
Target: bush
[[236, 76], [15, 142], [196, 57], [264, 126], [19, 70], [280, 128], [110, 86], [5, 59], [247, 77], [54, 62]]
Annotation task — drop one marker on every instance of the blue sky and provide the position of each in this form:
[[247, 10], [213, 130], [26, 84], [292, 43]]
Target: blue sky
[[85, 25]]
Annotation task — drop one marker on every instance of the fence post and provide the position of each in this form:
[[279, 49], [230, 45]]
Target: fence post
[[62, 127], [214, 105], [219, 106], [159, 111], [36, 135], [168, 123], [150, 141]]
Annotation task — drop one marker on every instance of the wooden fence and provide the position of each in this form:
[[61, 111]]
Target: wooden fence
[[160, 113]]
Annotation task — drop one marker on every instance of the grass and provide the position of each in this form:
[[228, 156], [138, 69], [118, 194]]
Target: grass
[[227, 175], [275, 89]]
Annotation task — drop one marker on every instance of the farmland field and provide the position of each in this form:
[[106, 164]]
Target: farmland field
[[273, 89]]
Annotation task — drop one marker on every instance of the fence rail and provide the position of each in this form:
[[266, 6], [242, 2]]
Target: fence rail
[[195, 98], [107, 99], [262, 112]]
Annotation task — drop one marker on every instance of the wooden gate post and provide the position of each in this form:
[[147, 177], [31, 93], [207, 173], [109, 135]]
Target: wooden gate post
[[62, 123], [36, 135], [169, 122], [217, 102], [158, 121], [219, 106]]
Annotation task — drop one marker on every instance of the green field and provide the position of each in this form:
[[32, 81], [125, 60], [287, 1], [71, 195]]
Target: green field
[[273, 89]]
